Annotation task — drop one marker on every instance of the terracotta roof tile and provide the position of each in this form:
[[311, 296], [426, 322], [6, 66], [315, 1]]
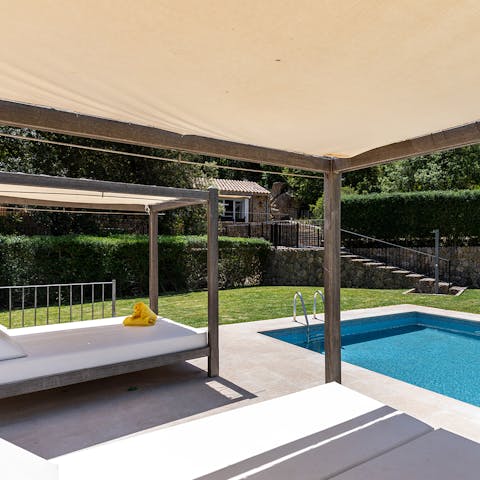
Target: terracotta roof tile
[[237, 186]]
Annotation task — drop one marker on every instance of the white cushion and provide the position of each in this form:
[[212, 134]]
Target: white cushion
[[55, 349], [181, 452], [9, 348], [19, 464]]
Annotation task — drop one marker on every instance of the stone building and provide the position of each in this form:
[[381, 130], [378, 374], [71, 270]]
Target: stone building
[[283, 205], [243, 201]]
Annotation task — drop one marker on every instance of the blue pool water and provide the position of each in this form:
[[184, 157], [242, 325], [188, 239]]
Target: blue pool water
[[438, 353]]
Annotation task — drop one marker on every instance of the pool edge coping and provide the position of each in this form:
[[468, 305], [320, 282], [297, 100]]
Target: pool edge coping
[[447, 412]]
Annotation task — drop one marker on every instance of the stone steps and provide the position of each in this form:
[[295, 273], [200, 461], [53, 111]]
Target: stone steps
[[455, 290], [388, 267], [374, 264], [361, 260], [427, 285], [395, 277], [415, 275]]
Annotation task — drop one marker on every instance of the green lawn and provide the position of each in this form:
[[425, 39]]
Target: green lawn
[[255, 303]]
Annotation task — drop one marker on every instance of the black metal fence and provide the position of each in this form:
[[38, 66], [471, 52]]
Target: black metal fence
[[283, 233], [309, 233], [296, 234]]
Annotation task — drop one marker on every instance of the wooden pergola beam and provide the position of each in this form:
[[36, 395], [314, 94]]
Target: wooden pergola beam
[[51, 120], [124, 197], [67, 123], [212, 281], [118, 207], [85, 184], [435, 142], [170, 205], [22, 201]]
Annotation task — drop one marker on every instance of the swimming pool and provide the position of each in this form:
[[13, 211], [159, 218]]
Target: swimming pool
[[438, 353]]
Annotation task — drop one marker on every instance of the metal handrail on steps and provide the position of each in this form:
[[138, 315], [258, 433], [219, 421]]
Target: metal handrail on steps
[[396, 255], [393, 244]]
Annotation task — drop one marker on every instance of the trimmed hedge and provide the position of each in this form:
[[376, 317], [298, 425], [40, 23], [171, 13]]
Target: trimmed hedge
[[413, 215], [182, 261]]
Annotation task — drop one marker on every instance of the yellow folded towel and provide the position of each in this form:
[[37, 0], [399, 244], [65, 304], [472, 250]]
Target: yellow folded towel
[[142, 316]]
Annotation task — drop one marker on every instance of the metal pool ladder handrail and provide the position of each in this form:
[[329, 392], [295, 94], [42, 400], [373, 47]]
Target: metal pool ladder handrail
[[322, 296], [307, 324]]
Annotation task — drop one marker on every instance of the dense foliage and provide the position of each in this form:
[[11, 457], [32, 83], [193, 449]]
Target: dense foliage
[[452, 170], [51, 159], [394, 216], [457, 169], [182, 261], [305, 190]]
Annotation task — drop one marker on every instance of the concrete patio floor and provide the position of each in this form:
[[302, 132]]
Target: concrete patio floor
[[253, 368]]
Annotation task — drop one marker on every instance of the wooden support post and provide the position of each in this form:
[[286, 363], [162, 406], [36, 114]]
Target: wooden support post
[[331, 272], [212, 277], [153, 259]]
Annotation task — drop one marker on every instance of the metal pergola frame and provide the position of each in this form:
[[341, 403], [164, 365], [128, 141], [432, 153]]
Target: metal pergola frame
[[142, 198], [47, 119]]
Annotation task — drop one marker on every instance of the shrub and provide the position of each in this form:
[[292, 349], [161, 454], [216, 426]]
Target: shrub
[[393, 216], [182, 261]]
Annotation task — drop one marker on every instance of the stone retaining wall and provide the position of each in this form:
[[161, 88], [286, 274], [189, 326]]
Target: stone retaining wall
[[296, 266], [292, 266], [464, 262]]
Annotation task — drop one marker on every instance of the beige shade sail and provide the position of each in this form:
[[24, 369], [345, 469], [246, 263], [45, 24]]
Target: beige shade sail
[[43, 190], [322, 78]]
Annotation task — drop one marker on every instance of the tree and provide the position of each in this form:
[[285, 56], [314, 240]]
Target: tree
[[49, 159], [363, 181], [451, 170], [305, 190], [457, 169]]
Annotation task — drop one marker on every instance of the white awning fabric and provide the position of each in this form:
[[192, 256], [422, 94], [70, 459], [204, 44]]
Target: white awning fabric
[[325, 77], [43, 190]]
